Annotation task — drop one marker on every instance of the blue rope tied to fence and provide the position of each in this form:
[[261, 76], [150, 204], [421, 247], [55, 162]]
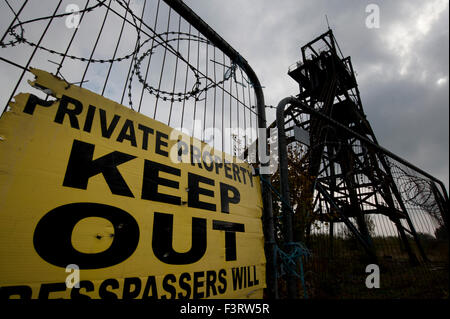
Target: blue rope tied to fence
[[298, 250], [290, 261]]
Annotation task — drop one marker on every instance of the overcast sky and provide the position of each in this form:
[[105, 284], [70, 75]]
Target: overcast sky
[[402, 66]]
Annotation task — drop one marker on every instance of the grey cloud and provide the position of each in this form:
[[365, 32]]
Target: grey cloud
[[408, 114]]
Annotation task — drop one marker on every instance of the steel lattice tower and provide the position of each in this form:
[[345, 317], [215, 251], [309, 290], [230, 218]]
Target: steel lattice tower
[[352, 179]]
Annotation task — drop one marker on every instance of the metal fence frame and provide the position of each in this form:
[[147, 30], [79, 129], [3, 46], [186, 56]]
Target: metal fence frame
[[291, 280], [130, 18]]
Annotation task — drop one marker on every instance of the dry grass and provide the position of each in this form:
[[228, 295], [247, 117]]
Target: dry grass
[[343, 276]]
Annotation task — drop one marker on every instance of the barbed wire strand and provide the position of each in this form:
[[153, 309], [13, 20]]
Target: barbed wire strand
[[32, 55]]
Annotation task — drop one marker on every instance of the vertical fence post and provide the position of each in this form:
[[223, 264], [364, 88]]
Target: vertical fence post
[[284, 188], [268, 225]]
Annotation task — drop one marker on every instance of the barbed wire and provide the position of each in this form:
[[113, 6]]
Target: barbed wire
[[415, 190], [157, 39]]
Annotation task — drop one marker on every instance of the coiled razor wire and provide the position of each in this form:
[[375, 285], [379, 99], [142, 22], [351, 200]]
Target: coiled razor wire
[[20, 38], [416, 191], [157, 41]]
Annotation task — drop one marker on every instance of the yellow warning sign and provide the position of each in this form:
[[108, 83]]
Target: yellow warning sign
[[99, 201]]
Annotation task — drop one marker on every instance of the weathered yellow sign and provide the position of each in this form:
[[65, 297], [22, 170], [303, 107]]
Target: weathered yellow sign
[[141, 210]]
